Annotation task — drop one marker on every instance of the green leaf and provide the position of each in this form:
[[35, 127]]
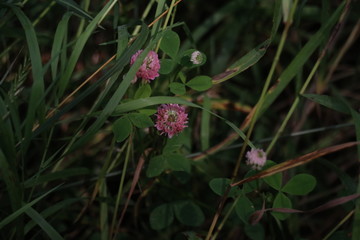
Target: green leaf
[[200, 83], [255, 232], [177, 88], [168, 161], [140, 120], [219, 186], [178, 162], [122, 129], [170, 43], [327, 101], [143, 91], [50, 231], [281, 201], [156, 166], [166, 66], [189, 213], [274, 181], [173, 145], [244, 208], [300, 184], [161, 217]]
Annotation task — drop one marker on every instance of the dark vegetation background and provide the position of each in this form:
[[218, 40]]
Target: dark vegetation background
[[224, 31]]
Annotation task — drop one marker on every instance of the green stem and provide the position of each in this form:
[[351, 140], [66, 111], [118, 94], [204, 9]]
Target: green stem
[[227, 215], [266, 86], [293, 106], [257, 110], [121, 185], [144, 15]]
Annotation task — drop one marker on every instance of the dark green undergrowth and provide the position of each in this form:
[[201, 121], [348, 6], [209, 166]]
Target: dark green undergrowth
[[81, 156]]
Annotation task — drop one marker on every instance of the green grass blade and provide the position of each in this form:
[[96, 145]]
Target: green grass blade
[[120, 91], [36, 103], [301, 58], [330, 102], [243, 63], [24, 208], [74, 7], [51, 211], [150, 101], [7, 142], [115, 69], [205, 124], [11, 179], [63, 174], [60, 35], [79, 46], [159, 9], [51, 232]]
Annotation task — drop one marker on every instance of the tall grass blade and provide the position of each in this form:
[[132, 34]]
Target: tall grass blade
[[50, 231], [301, 58], [74, 7], [79, 46], [59, 40], [120, 91], [24, 208], [36, 102]]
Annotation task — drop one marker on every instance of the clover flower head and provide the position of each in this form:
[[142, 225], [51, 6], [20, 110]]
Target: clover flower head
[[196, 57], [149, 69], [171, 119], [256, 158]]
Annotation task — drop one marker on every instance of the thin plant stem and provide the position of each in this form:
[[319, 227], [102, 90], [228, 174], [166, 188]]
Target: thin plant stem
[[266, 85], [144, 15], [339, 224], [254, 118], [227, 215], [121, 185], [331, 40], [293, 106]]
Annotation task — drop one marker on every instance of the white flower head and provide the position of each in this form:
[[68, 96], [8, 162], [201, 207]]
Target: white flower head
[[196, 57]]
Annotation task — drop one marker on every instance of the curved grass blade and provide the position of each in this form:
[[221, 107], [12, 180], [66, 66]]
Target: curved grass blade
[[117, 67], [50, 211], [243, 63], [301, 58], [74, 7], [51, 232], [327, 101], [11, 179], [64, 174], [79, 45], [36, 102], [24, 208], [60, 35], [150, 101], [121, 90]]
